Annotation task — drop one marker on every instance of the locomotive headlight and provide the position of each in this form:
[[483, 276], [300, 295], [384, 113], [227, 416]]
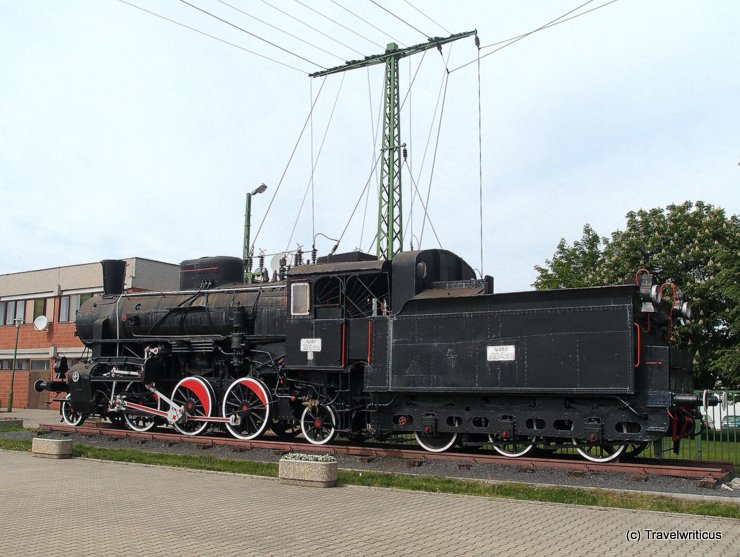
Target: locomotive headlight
[[656, 295], [648, 293]]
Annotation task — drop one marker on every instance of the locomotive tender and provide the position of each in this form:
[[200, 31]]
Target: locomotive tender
[[364, 348]]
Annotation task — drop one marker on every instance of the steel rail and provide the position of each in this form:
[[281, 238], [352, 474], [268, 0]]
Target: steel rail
[[718, 471]]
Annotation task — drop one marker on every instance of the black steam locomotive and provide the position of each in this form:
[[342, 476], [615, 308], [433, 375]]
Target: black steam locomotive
[[352, 345]]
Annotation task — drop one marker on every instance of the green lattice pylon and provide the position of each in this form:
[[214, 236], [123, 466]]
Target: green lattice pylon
[[390, 210], [390, 230]]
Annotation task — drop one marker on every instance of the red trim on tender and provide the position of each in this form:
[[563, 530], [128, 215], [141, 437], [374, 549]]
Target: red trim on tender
[[344, 341], [369, 340], [259, 391], [200, 391], [638, 344]]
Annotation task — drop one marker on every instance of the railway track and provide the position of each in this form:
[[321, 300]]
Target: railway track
[[717, 471]]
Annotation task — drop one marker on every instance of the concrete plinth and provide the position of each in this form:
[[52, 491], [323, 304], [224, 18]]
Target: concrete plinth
[[312, 474], [51, 448]]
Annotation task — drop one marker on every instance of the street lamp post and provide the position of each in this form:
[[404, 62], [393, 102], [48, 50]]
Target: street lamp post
[[246, 255], [17, 322]]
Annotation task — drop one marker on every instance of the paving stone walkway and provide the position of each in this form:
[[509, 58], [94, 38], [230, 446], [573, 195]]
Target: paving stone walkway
[[85, 507]]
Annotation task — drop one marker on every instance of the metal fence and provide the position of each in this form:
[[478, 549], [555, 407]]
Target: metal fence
[[719, 442]]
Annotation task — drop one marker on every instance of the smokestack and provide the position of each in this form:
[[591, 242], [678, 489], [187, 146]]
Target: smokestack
[[114, 276]]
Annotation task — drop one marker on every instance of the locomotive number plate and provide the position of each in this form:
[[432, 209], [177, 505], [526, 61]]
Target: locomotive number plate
[[310, 345], [501, 353]]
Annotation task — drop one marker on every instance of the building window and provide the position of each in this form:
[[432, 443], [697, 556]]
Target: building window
[[20, 364], [74, 305], [68, 306], [10, 313], [2, 312], [39, 365], [39, 307], [85, 297], [20, 310], [64, 309]]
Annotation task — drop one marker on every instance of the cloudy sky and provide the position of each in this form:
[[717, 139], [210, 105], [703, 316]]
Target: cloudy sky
[[124, 134]]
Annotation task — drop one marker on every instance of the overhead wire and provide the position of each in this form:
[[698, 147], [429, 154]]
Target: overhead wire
[[314, 163], [480, 161], [285, 170], [515, 40], [212, 36], [366, 21], [426, 213], [367, 184], [431, 130], [312, 28], [339, 24], [251, 34], [280, 30], [548, 26], [434, 159], [429, 18], [375, 127], [400, 19], [411, 152]]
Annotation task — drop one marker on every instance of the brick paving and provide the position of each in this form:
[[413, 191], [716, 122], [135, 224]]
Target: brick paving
[[85, 507]]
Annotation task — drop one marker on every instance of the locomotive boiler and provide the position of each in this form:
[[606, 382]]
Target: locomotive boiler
[[356, 346]]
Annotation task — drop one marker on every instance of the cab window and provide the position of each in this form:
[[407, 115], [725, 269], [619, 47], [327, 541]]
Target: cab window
[[299, 300]]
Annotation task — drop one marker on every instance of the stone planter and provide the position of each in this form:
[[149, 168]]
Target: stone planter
[[51, 448], [307, 473]]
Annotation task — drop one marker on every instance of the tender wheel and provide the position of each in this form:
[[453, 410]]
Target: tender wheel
[[319, 424], [599, 453], [437, 443], [512, 449], [195, 396], [248, 399], [140, 395], [69, 414]]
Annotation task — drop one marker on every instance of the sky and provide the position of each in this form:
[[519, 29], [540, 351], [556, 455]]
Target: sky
[[124, 134]]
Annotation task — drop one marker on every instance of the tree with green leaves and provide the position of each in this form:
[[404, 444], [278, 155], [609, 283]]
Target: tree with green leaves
[[694, 245], [571, 266]]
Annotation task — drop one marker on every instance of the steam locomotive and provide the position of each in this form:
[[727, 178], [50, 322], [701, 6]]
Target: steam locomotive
[[355, 346]]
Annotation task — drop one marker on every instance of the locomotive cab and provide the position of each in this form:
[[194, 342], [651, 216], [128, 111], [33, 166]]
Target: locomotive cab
[[330, 304]]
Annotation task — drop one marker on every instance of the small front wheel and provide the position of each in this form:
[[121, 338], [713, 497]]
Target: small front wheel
[[319, 424], [69, 414]]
